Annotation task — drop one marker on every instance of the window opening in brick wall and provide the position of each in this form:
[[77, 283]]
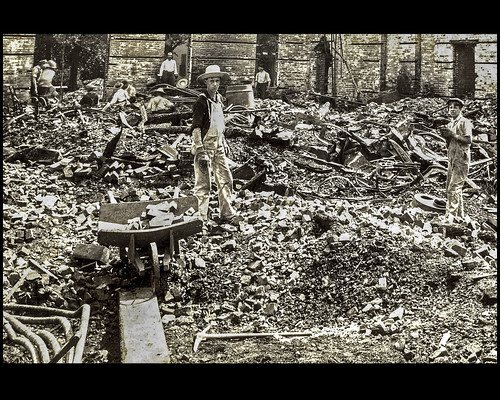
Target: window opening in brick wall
[[323, 64], [464, 74]]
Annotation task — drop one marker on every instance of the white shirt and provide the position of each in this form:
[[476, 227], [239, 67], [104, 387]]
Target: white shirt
[[168, 66], [120, 96], [262, 77]]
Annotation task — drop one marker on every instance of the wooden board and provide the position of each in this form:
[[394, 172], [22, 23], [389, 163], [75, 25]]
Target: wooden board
[[142, 336]]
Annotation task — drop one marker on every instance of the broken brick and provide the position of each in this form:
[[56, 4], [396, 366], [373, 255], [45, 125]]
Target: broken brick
[[91, 252]]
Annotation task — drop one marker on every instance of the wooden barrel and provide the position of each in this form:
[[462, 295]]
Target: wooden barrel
[[241, 95]]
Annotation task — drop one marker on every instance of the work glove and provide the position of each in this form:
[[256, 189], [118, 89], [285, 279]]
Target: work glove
[[201, 157], [445, 131], [197, 142]]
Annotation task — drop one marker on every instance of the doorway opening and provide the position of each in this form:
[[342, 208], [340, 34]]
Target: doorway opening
[[267, 54]]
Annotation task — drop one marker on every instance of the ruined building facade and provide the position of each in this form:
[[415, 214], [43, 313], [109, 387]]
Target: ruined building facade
[[353, 66]]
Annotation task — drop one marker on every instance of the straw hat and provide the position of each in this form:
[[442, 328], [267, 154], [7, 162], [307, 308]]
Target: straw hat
[[52, 64], [158, 90], [212, 71], [456, 99]]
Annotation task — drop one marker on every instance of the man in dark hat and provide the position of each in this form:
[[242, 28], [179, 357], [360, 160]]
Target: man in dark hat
[[209, 147], [458, 135]]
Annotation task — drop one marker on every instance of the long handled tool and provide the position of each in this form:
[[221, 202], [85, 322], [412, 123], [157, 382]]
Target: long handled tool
[[204, 335]]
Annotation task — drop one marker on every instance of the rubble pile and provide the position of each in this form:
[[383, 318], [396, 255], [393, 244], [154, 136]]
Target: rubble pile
[[329, 235]]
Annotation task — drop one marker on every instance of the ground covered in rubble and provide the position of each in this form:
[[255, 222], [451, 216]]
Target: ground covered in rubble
[[329, 242]]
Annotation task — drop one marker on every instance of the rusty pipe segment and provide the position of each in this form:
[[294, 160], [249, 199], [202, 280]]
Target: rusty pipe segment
[[63, 322], [22, 329], [75, 354], [11, 334]]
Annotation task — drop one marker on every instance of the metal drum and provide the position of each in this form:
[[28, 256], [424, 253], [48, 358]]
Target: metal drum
[[241, 95]]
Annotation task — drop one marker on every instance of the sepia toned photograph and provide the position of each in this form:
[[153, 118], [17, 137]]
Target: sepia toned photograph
[[250, 198]]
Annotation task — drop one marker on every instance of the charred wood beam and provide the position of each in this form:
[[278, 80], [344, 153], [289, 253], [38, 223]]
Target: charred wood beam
[[167, 128], [172, 117]]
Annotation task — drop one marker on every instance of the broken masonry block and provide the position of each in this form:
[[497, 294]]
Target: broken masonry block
[[450, 252], [459, 248], [91, 252], [270, 309]]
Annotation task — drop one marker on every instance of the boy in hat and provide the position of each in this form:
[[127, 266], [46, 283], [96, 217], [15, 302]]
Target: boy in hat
[[458, 135], [209, 147]]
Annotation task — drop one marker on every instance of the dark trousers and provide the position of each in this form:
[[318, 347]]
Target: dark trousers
[[168, 77], [261, 90]]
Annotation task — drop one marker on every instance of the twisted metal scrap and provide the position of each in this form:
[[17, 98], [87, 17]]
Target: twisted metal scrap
[[72, 350]]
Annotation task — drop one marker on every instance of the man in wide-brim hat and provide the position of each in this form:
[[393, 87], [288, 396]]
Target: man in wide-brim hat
[[212, 71], [210, 148], [458, 135], [158, 102]]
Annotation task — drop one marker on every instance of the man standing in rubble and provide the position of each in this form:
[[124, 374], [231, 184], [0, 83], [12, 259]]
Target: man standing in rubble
[[262, 82], [458, 135], [45, 87], [35, 75], [209, 147], [168, 70]]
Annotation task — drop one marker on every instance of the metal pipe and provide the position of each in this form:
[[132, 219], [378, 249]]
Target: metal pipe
[[64, 322], [68, 346], [75, 355], [21, 328], [50, 339], [11, 334], [84, 324]]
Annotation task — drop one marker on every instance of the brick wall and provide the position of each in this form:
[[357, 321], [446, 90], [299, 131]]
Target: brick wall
[[17, 56], [234, 53], [432, 54], [134, 57], [296, 61], [372, 61]]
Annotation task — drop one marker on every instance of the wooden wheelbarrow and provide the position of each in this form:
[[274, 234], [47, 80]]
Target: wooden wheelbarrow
[[113, 230]]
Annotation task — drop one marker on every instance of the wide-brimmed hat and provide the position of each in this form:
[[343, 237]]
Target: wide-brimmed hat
[[158, 90], [52, 64], [212, 71], [456, 99]]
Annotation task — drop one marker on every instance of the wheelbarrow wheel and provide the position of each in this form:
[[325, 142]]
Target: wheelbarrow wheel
[[429, 203]]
